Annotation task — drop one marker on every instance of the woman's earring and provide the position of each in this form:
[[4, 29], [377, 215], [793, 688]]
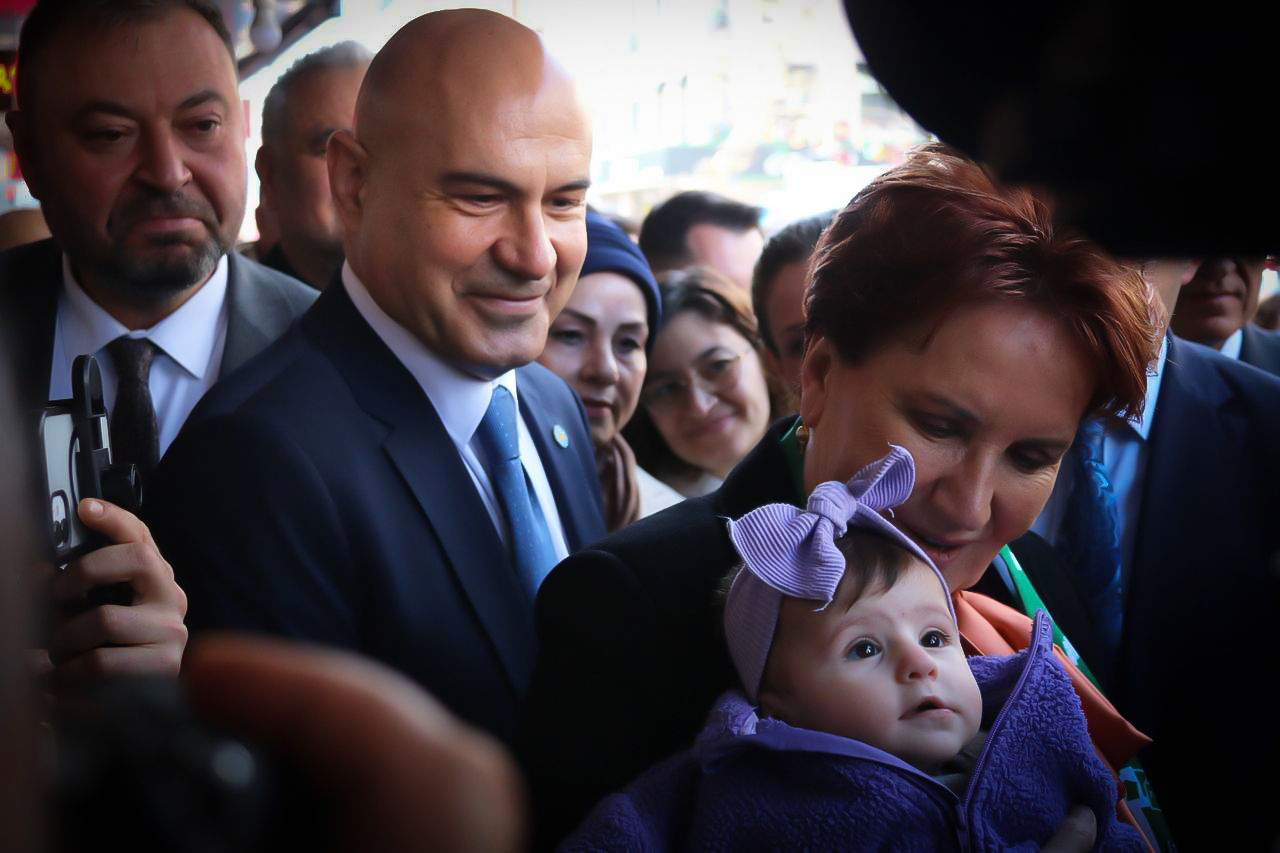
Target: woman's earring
[[802, 436]]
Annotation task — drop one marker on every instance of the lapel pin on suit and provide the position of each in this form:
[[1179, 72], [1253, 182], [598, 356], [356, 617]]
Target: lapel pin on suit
[[561, 437]]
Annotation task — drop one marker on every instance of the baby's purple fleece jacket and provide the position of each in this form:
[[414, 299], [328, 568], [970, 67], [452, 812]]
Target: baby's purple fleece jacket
[[751, 784]]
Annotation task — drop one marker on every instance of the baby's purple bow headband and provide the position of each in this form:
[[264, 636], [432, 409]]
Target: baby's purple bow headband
[[791, 552]]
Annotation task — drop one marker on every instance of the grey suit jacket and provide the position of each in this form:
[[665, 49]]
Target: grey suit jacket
[[262, 305]]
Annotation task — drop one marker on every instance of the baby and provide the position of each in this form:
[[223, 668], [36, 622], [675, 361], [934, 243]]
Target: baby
[[852, 634], [861, 724]]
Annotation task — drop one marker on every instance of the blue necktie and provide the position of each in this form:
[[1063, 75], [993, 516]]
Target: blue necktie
[[529, 539], [1090, 535]]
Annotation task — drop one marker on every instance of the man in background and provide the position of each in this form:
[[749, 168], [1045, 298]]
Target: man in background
[[313, 100], [1217, 308], [1168, 522], [777, 295], [703, 229], [130, 132]]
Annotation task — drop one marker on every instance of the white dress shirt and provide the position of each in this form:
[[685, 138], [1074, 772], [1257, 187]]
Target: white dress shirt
[[190, 343], [1231, 346], [461, 401], [1124, 457], [655, 495]]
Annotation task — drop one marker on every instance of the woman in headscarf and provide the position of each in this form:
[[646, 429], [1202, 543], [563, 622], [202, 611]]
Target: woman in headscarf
[[599, 345]]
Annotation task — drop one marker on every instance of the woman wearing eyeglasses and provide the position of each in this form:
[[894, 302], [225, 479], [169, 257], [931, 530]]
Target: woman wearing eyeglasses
[[706, 399]]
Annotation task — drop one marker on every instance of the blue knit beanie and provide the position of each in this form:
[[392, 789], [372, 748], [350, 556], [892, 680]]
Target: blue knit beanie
[[609, 249]]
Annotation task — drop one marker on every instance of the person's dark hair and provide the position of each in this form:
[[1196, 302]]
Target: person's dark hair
[[792, 245], [339, 57], [705, 292], [665, 231], [937, 233], [872, 562], [50, 17]]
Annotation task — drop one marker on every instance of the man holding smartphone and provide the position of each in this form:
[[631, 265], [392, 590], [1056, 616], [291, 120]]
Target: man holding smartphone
[[129, 130]]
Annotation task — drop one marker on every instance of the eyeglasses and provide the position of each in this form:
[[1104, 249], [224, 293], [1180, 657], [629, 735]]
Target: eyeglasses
[[715, 373]]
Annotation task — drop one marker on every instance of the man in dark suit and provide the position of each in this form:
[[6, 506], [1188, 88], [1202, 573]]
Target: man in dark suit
[[1216, 309], [1261, 348], [129, 131], [310, 101], [1198, 544], [142, 180], [394, 476]]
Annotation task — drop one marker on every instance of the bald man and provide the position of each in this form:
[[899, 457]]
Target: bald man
[[396, 477]]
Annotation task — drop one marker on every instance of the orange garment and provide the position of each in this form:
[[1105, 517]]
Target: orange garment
[[988, 627]]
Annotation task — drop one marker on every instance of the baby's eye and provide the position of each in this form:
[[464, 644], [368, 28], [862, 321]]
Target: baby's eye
[[863, 649], [934, 639]]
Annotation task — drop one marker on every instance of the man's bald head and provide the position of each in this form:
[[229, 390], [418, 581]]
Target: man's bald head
[[453, 64], [462, 188]]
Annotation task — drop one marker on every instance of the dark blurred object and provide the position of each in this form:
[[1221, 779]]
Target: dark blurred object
[[134, 771], [391, 769], [1156, 129], [266, 746]]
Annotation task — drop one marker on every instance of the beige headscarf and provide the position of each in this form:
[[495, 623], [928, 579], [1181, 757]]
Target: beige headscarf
[[616, 465]]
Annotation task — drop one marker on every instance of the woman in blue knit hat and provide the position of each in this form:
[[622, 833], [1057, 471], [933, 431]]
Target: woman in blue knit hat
[[599, 345]]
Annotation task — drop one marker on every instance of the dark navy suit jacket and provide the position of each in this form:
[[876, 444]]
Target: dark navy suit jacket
[[1202, 606], [317, 495]]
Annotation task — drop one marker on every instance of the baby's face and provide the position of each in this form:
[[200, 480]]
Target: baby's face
[[887, 670]]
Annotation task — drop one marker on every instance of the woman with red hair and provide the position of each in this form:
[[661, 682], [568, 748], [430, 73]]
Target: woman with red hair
[[944, 314]]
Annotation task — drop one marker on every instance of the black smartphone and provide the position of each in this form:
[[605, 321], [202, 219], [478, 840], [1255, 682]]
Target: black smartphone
[[75, 441]]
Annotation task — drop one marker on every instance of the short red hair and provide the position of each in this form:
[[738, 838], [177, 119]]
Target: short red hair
[[937, 233]]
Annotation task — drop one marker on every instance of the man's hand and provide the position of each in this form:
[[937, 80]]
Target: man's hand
[[145, 638], [1075, 834], [398, 771]]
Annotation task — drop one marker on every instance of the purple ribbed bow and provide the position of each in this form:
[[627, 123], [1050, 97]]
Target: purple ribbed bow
[[791, 552]]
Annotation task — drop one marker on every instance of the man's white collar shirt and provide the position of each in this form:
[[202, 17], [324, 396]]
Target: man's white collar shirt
[[461, 401], [190, 343], [1231, 347], [1125, 451]]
